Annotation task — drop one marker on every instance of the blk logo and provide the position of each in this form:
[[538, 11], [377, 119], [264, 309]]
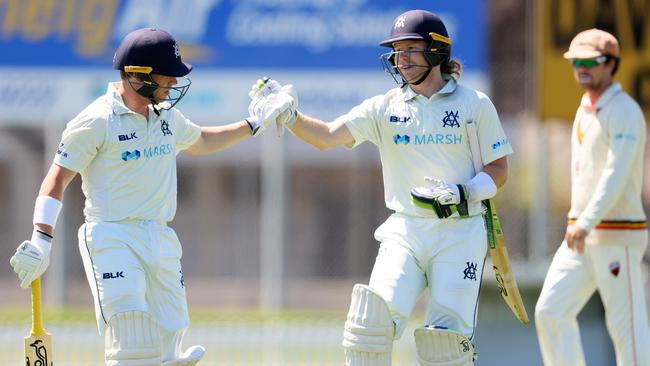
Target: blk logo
[[470, 271], [131, 155], [111, 275], [164, 127], [450, 119], [401, 139], [398, 119], [61, 151], [615, 268], [127, 137]]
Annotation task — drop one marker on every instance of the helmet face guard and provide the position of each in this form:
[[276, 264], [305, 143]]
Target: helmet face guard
[[438, 52], [417, 25], [148, 87]]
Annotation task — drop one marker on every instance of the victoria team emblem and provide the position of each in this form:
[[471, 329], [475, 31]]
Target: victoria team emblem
[[450, 119], [400, 22], [164, 127], [470, 271]]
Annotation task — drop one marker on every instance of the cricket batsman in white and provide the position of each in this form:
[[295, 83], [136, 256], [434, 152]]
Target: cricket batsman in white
[[124, 145], [436, 238], [607, 232]]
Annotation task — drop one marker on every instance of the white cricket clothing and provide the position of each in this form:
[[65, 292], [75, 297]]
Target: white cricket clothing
[[615, 271], [128, 169], [422, 137], [607, 150], [127, 163], [608, 144], [447, 256], [135, 266], [419, 136]]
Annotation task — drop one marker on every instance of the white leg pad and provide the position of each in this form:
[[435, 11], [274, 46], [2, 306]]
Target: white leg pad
[[132, 339], [369, 329], [190, 357], [443, 347]]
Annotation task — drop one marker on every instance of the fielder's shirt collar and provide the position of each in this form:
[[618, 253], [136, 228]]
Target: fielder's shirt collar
[[604, 98]]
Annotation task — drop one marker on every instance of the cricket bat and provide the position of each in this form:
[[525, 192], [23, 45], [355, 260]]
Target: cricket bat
[[38, 345], [501, 265]]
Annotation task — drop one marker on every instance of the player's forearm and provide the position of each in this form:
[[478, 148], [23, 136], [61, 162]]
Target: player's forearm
[[498, 171], [217, 138], [319, 134]]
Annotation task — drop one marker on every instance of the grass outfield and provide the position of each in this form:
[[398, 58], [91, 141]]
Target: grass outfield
[[231, 337]]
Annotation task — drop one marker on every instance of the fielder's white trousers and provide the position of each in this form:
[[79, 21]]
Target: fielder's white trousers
[[615, 271], [135, 265], [445, 256]]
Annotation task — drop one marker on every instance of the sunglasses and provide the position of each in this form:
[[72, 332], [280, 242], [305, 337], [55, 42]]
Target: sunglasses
[[588, 63]]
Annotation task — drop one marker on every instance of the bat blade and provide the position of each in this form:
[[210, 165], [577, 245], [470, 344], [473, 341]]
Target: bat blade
[[505, 278], [38, 344], [38, 350]]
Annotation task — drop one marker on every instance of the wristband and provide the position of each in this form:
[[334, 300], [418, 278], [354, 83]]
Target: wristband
[[46, 210], [41, 240], [481, 187]]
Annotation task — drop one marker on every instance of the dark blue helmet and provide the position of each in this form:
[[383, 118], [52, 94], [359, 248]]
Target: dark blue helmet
[[151, 47], [149, 51], [425, 26]]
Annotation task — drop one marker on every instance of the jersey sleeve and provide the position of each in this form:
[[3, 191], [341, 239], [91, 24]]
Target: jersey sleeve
[[625, 133], [188, 132], [494, 143], [362, 121], [80, 143]]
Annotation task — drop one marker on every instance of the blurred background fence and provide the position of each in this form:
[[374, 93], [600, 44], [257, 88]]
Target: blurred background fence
[[275, 232]]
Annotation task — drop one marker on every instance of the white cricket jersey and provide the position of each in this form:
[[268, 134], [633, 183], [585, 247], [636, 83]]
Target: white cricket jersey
[[607, 148], [127, 163], [422, 137]]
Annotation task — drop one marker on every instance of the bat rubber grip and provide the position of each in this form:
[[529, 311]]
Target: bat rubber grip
[[37, 315]]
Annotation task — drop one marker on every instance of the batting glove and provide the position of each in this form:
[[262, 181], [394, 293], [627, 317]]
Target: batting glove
[[266, 87], [32, 258], [265, 111], [444, 199]]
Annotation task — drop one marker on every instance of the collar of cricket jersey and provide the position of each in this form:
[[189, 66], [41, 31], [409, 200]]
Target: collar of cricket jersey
[[448, 88], [115, 100], [603, 99]]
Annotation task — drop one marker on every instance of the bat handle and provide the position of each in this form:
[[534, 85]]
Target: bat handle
[[37, 315]]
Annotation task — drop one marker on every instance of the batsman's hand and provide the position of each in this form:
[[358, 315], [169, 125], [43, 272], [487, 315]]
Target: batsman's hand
[[266, 87], [444, 199], [31, 259]]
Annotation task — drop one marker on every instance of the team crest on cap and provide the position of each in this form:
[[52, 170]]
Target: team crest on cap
[[615, 268], [177, 50], [400, 22]]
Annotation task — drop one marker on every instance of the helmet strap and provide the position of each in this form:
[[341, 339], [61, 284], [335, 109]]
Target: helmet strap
[[423, 77]]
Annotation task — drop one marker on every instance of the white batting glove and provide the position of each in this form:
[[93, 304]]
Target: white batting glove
[[444, 199], [32, 258], [265, 87], [265, 110]]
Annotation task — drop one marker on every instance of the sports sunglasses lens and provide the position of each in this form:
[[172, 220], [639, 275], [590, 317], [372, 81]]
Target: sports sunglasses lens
[[587, 63]]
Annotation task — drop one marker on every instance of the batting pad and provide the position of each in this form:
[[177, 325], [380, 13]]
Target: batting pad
[[132, 339], [443, 347], [369, 329], [190, 357]]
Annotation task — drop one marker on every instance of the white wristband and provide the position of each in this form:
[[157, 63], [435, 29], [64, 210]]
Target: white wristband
[[481, 187], [46, 210]]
